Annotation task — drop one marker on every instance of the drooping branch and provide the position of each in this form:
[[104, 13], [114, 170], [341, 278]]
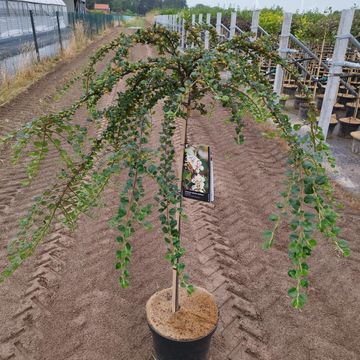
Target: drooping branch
[[180, 81]]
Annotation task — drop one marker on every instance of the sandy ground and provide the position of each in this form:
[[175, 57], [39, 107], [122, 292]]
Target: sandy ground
[[65, 302]]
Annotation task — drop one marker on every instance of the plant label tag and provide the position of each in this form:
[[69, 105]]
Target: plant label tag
[[197, 181]]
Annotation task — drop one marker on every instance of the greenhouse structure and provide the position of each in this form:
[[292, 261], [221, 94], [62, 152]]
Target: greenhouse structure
[[15, 16]]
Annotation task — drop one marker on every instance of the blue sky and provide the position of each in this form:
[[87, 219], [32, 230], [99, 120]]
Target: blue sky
[[288, 5]]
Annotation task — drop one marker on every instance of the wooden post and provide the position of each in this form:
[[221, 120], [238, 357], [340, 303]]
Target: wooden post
[[232, 25], [218, 23], [207, 34], [34, 35], [175, 306], [283, 46], [332, 86], [255, 24], [319, 65]]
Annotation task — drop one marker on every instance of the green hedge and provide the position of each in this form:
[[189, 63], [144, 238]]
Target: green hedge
[[310, 27]]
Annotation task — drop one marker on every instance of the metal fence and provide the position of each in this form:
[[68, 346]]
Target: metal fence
[[31, 32]]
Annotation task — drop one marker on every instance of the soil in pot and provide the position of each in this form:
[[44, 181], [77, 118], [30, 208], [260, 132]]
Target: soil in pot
[[187, 333]]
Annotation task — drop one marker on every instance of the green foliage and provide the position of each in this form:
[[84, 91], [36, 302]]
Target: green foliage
[[271, 20], [144, 6], [179, 81], [311, 27]]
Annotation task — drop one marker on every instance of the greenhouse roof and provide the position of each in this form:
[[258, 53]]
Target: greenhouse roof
[[45, 2]]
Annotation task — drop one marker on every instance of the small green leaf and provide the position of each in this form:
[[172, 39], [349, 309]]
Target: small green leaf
[[312, 242], [273, 217], [124, 283], [267, 234], [299, 302], [148, 225], [321, 180], [292, 292], [119, 239]]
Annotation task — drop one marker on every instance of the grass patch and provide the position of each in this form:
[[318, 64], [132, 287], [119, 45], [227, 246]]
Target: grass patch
[[13, 85], [136, 22]]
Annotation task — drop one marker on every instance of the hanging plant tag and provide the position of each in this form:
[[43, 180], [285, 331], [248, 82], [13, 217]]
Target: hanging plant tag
[[197, 181]]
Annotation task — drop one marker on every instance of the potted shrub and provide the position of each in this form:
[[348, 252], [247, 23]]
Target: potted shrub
[[300, 98], [179, 81], [282, 100]]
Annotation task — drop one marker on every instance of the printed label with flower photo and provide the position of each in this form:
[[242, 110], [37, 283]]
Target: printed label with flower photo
[[197, 172]]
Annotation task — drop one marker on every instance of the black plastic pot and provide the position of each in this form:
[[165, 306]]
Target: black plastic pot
[[320, 89], [346, 129], [339, 111], [299, 99], [346, 98], [319, 101], [331, 129], [169, 349], [303, 110], [289, 90], [350, 111], [282, 103]]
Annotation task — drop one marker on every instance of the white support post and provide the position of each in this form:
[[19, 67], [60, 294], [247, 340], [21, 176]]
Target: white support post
[[208, 19], [339, 54], [218, 23], [283, 46], [207, 34], [200, 19], [232, 25], [183, 34], [255, 24], [193, 22]]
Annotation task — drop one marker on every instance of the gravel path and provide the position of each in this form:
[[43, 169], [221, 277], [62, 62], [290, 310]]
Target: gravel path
[[65, 302]]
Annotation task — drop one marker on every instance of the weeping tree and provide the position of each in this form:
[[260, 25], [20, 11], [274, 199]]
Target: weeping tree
[[181, 82]]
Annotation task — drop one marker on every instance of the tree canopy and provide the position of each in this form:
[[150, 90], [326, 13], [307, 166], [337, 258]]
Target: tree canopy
[[140, 6]]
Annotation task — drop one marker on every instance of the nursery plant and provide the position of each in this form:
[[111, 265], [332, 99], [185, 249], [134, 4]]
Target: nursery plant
[[182, 82]]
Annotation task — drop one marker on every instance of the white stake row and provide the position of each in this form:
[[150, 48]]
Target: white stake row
[[177, 23]]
